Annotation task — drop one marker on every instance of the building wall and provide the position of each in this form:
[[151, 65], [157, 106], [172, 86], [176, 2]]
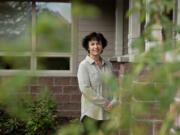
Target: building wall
[[66, 90], [125, 27], [104, 23]]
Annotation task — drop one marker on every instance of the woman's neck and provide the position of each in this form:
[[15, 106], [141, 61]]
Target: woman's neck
[[96, 58]]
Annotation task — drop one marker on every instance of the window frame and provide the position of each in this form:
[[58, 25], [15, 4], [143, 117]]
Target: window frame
[[34, 55]]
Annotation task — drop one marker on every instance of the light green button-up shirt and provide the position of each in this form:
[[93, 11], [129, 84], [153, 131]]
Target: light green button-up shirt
[[94, 92]]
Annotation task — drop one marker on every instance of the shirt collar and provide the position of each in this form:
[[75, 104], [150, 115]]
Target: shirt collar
[[91, 61]]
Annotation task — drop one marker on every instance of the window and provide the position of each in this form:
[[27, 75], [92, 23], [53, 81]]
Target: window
[[46, 50]]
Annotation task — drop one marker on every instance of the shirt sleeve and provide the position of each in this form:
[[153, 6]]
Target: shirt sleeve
[[86, 89]]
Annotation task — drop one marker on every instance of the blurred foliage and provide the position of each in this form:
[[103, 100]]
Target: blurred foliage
[[23, 114], [147, 90], [10, 125], [51, 38], [82, 8], [43, 115]]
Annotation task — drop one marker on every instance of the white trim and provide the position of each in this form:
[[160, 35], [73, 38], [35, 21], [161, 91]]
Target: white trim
[[48, 73], [53, 54], [134, 32], [15, 53], [171, 56], [33, 58], [178, 18], [176, 99], [74, 44], [174, 18], [124, 58]]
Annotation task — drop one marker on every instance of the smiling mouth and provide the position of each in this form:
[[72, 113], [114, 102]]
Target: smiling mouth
[[96, 51]]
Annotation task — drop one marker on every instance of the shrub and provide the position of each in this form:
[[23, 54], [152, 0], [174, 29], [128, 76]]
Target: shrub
[[43, 117], [10, 125]]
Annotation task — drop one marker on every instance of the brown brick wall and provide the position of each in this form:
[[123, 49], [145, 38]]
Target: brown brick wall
[[149, 122], [119, 69], [151, 119], [66, 91]]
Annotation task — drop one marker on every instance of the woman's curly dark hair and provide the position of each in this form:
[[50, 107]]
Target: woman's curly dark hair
[[94, 36]]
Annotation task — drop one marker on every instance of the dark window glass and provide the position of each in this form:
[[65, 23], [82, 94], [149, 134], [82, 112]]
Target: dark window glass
[[14, 62], [53, 63]]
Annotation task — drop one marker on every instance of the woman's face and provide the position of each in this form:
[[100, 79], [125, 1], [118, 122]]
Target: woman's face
[[95, 48]]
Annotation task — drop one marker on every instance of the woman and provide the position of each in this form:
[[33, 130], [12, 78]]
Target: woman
[[95, 103]]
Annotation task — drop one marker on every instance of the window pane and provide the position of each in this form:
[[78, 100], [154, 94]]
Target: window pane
[[15, 21], [53, 63], [14, 62], [53, 26]]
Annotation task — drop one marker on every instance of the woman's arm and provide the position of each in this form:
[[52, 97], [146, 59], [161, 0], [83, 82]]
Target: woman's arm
[[86, 89]]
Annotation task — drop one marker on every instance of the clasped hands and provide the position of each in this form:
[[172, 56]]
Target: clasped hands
[[108, 108]]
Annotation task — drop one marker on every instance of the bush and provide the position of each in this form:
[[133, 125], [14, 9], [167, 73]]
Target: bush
[[10, 125], [41, 120], [43, 115]]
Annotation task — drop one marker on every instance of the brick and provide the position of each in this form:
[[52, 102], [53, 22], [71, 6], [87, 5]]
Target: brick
[[72, 90], [123, 68], [33, 81], [151, 111], [35, 95], [74, 81], [123, 132], [21, 93], [62, 80], [116, 73], [157, 127], [26, 89], [142, 128], [57, 90], [75, 99], [60, 107], [72, 106], [116, 66], [62, 98], [143, 75], [177, 73], [145, 91], [75, 114], [46, 81], [178, 93], [35, 89], [6, 78]]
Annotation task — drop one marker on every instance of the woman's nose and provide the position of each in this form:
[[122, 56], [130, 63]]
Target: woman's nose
[[95, 45]]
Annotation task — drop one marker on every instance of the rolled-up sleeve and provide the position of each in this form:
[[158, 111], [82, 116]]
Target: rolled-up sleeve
[[86, 89]]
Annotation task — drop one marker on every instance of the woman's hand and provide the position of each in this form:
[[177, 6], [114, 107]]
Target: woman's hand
[[108, 108]]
